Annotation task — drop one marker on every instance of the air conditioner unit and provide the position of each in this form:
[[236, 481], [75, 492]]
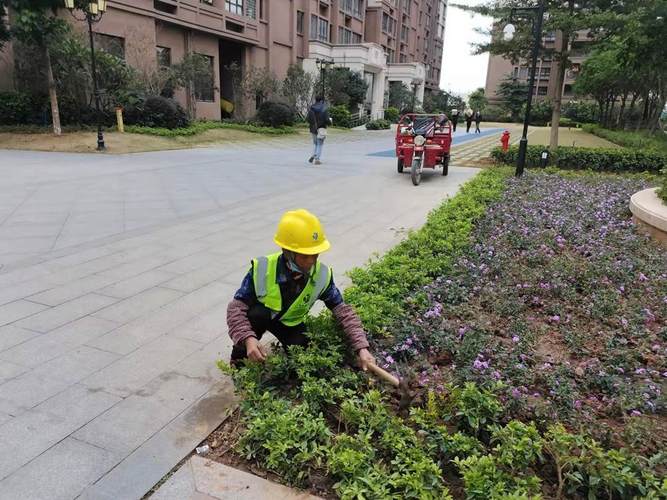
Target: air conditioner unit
[[210, 2]]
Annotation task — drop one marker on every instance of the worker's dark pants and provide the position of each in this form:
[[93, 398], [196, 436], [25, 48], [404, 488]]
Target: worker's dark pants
[[261, 322], [455, 120], [468, 123]]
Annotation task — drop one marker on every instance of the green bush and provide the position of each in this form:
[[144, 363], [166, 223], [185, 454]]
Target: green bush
[[19, 108], [340, 116], [392, 114], [597, 159], [662, 189], [202, 126], [632, 140], [378, 125], [496, 114], [275, 114], [579, 111], [568, 122], [158, 112]]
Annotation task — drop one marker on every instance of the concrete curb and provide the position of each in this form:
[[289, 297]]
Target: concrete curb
[[650, 211]]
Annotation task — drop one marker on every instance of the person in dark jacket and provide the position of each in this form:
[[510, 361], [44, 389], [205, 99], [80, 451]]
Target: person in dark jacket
[[280, 289], [318, 120], [478, 120], [455, 118]]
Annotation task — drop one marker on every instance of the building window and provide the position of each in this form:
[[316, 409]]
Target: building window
[[541, 90], [204, 85], [523, 73], [299, 22], [407, 4], [390, 55], [403, 58], [388, 24], [348, 37], [545, 72], [352, 7], [405, 30], [113, 45], [319, 28], [234, 6], [567, 90], [163, 56]]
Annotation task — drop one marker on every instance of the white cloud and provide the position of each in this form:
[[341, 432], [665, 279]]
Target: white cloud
[[461, 71]]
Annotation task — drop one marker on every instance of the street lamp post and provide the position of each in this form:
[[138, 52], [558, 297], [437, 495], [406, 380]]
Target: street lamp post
[[93, 12], [323, 65], [537, 41], [415, 85]]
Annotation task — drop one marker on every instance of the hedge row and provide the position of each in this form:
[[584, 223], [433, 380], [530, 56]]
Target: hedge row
[[202, 126], [597, 159], [380, 290], [662, 189], [378, 125], [634, 140]]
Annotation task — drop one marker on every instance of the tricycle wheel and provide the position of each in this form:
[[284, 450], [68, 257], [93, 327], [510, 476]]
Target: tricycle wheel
[[415, 171], [445, 165], [399, 165]]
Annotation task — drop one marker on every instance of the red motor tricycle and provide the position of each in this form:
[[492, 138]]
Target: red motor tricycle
[[423, 141]]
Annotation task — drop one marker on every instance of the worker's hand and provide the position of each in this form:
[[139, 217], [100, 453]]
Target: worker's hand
[[255, 350], [365, 359]]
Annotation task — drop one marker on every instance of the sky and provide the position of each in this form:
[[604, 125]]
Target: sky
[[461, 71]]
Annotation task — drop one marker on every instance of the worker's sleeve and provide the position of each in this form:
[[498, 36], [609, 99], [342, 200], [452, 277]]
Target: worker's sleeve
[[331, 295], [238, 324], [348, 319]]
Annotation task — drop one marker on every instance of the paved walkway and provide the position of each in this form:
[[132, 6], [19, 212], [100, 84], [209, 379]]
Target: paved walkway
[[117, 272]]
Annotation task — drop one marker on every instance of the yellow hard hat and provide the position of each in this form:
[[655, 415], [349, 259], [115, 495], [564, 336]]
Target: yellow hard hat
[[301, 232]]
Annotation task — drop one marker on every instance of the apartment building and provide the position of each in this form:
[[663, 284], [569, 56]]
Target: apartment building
[[546, 86], [385, 40]]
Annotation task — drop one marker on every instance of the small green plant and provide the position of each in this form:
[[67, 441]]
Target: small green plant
[[485, 478], [378, 125], [340, 116], [475, 406], [518, 445], [392, 114], [199, 127], [662, 189]]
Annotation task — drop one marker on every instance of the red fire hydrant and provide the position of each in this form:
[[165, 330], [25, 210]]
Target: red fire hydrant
[[505, 140]]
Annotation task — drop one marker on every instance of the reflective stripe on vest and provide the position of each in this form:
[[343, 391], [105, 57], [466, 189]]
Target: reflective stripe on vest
[[267, 289]]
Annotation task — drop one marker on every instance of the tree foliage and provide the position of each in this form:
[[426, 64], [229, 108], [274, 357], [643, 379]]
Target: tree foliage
[[344, 87], [400, 96], [477, 100], [4, 28], [297, 89], [514, 95]]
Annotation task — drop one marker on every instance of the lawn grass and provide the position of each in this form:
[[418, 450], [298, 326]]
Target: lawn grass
[[630, 139]]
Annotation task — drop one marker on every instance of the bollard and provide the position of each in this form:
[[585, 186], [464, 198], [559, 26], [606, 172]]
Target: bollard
[[119, 120], [544, 159]]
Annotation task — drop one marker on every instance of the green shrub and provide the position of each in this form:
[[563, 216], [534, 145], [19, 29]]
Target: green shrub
[[392, 114], [632, 140], [19, 108], [378, 125], [275, 114], [580, 111], [158, 112], [662, 189], [568, 122], [202, 126], [340, 116], [597, 159]]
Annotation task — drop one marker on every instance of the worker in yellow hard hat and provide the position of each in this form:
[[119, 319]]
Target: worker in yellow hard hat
[[280, 289]]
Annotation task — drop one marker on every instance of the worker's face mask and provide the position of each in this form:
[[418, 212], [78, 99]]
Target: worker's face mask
[[306, 268]]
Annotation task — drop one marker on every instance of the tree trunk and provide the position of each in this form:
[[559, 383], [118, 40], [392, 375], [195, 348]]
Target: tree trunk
[[620, 112], [646, 105], [53, 95], [632, 106], [656, 122], [561, 61]]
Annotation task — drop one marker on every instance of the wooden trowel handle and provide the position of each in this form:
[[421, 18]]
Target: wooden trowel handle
[[384, 375]]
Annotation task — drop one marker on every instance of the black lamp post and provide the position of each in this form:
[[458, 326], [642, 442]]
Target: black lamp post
[[537, 41], [415, 85], [93, 12], [323, 65]]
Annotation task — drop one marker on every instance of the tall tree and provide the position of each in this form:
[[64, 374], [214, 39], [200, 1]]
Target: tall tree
[[4, 28], [297, 89], [34, 23], [477, 100], [514, 95], [566, 19]]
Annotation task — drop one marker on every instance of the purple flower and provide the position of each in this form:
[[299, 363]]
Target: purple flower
[[389, 360], [624, 322], [642, 277], [515, 339], [496, 375], [555, 318], [577, 404], [635, 413], [640, 371], [516, 393]]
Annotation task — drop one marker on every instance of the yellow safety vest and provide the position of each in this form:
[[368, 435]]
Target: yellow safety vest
[[267, 289]]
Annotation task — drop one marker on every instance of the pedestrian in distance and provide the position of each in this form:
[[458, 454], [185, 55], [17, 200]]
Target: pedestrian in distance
[[279, 290], [469, 116], [478, 120], [318, 121], [455, 118]]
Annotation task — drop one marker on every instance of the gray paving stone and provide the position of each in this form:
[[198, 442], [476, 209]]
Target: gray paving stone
[[65, 313], [45, 347], [202, 362], [135, 334], [193, 280], [9, 371], [78, 405], [139, 266], [28, 390], [151, 461], [180, 486], [137, 284], [5, 417], [139, 305], [72, 290], [60, 473], [134, 371], [76, 364], [191, 263], [11, 335], [19, 309]]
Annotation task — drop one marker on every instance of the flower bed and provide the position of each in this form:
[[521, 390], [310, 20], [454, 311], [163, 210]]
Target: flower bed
[[545, 311]]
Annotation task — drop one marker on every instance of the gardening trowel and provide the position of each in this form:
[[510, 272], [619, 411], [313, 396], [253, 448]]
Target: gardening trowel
[[400, 384]]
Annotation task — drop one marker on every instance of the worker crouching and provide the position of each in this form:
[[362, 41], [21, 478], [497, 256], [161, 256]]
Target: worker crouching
[[279, 290]]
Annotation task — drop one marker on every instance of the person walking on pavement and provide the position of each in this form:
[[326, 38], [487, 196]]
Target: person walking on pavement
[[478, 120], [468, 115], [318, 120], [455, 117], [279, 290]]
